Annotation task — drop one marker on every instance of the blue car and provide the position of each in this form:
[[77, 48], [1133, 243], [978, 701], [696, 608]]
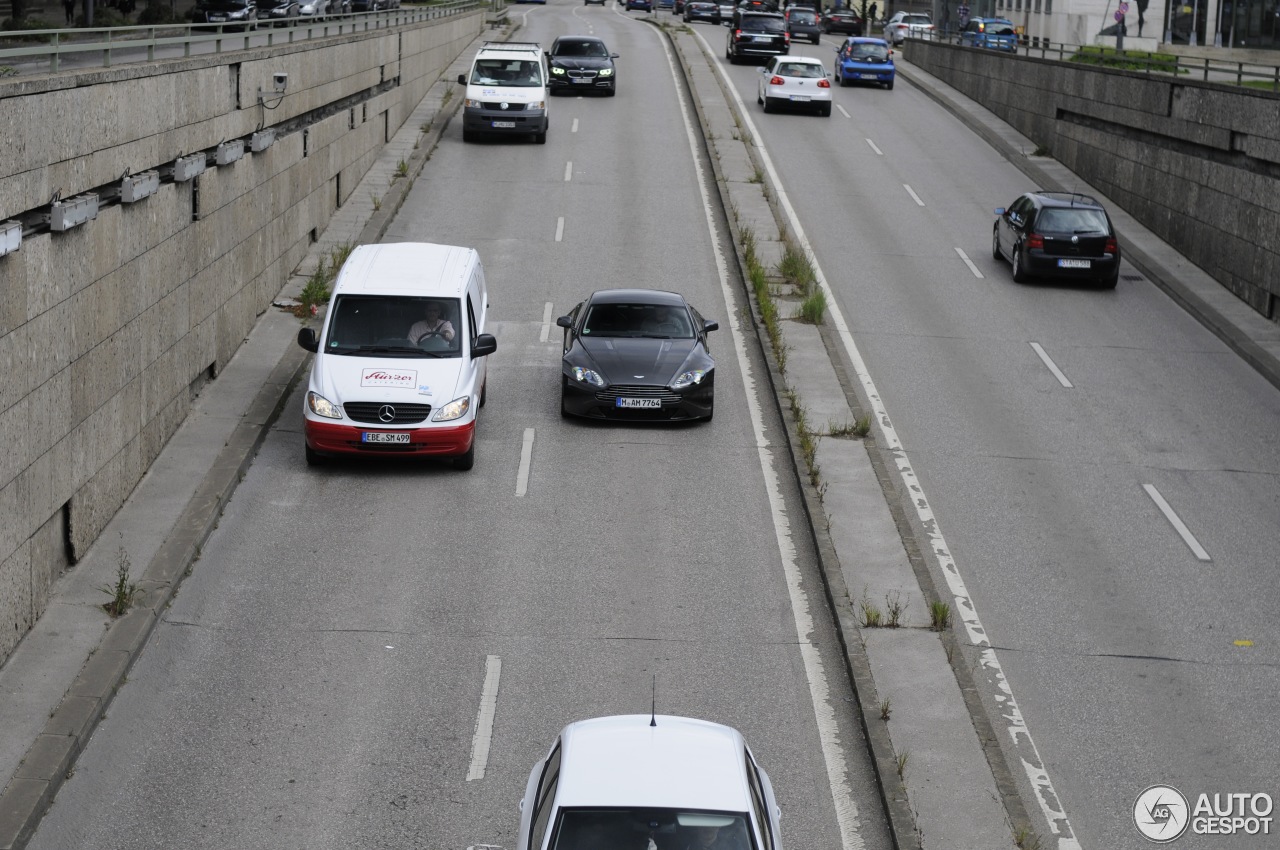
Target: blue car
[[991, 33], [642, 5], [864, 60]]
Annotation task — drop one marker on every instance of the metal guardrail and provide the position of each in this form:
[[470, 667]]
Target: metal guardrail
[[1211, 70], [124, 45]]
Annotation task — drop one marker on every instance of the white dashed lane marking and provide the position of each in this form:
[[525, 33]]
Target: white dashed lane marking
[[1177, 523], [484, 718], [1053, 367]]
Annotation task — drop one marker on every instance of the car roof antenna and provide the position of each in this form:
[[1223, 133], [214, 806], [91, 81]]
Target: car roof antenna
[[653, 711]]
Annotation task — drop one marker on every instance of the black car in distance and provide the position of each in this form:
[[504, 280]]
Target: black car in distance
[[701, 10], [583, 63], [1064, 235], [804, 22], [756, 35], [637, 355]]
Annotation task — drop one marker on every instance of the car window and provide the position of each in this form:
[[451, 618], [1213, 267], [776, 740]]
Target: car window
[[638, 829], [580, 48], [759, 804], [806, 70], [803, 17], [1000, 29], [637, 320], [391, 326], [507, 72], [752, 23], [868, 51], [544, 798], [916, 19], [1071, 220]]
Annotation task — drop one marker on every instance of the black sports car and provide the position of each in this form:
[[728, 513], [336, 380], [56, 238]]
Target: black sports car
[[583, 63], [636, 354]]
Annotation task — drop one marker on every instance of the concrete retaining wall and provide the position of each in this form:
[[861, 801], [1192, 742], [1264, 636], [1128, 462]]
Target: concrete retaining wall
[[1197, 163], [108, 330]]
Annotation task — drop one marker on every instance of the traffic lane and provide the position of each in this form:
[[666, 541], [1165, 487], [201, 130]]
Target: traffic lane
[[1116, 327]]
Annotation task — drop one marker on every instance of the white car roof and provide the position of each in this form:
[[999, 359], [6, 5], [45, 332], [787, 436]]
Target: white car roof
[[680, 763], [407, 268]]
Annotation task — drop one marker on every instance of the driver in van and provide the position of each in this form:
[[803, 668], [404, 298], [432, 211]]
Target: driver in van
[[432, 324]]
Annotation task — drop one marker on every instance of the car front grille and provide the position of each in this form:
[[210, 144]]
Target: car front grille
[[374, 412], [635, 391], [582, 75], [510, 107]]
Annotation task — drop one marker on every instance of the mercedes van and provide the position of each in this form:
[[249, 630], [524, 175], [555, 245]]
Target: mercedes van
[[506, 92], [401, 358]]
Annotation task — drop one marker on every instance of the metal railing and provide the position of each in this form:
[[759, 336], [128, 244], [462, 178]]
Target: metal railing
[[62, 48], [1215, 70]]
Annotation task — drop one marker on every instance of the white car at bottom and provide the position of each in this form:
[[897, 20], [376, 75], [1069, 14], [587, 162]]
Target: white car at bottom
[[800, 82], [637, 782]]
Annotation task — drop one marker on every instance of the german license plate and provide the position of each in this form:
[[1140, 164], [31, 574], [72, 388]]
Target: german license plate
[[1073, 264], [800, 98], [580, 80], [866, 76], [216, 19], [504, 125], [639, 402], [384, 437]]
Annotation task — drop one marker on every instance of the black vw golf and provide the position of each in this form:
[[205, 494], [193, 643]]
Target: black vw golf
[[636, 354]]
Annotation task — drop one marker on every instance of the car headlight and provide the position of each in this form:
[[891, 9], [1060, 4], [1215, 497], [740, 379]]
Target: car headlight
[[536, 104], [557, 71], [471, 103], [455, 409], [606, 72], [688, 378], [321, 406], [587, 376]]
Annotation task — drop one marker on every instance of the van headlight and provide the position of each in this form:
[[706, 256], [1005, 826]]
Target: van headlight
[[455, 409], [536, 104], [321, 406], [472, 103]]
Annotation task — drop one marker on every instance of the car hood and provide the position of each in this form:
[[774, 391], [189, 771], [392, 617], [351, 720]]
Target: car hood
[[626, 360], [392, 380], [583, 63]]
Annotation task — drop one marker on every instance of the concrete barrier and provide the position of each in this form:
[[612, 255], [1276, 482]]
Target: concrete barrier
[[1196, 162], [107, 330]]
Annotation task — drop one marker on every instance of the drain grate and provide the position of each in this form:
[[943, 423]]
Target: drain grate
[[1131, 277]]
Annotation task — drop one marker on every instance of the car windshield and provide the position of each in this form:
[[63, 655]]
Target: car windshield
[[800, 69], [1000, 29], [394, 326], [580, 48], [868, 51], [752, 23], [1071, 220], [653, 320], [507, 72], [638, 829], [803, 17]]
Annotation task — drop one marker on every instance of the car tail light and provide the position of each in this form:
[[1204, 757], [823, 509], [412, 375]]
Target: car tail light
[[1035, 240], [824, 84], [786, 36], [1111, 246], [776, 81]]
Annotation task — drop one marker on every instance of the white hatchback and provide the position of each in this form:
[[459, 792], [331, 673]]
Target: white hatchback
[[639, 781], [796, 81]]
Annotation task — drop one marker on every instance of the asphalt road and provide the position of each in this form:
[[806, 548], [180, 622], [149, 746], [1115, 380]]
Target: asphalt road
[[316, 682], [1140, 653]]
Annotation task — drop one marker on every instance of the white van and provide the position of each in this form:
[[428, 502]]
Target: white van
[[506, 91], [400, 366]]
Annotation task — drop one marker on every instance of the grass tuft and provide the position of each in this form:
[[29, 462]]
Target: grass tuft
[[124, 592], [939, 616]]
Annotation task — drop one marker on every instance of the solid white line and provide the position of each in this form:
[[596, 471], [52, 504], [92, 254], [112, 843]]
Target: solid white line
[[546, 323], [484, 718], [1046, 795], [526, 456], [968, 262], [574, 128], [1053, 367], [912, 193], [843, 111], [846, 808], [568, 171], [873, 144], [560, 228], [1178, 525]]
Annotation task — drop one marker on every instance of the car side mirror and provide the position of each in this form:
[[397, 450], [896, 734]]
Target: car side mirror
[[614, 56], [708, 326], [564, 322], [462, 79], [307, 339], [484, 344], [999, 210]]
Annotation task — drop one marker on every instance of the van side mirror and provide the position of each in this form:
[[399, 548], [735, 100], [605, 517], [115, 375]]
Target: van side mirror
[[462, 79], [999, 210], [307, 339], [484, 344], [708, 326], [564, 322]]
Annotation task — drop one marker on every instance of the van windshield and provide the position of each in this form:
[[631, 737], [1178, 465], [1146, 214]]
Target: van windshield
[[517, 73], [394, 326]]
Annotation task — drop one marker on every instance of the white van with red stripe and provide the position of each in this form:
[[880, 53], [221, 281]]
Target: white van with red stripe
[[401, 359]]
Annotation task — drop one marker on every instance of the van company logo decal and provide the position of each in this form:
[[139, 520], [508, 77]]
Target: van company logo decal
[[388, 378]]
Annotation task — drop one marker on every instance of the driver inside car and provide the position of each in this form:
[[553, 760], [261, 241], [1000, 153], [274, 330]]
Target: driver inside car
[[432, 325]]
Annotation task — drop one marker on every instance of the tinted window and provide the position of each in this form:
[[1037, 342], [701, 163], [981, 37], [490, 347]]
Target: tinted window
[[755, 23], [1071, 220], [580, 48], [1000, 29], [868, 51], [615, 320], [640, 829], [545, 797], [803, 17], [800, 69]]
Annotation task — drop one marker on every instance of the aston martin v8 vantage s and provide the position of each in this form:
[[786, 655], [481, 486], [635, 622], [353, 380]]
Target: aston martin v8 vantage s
[[638, 355]]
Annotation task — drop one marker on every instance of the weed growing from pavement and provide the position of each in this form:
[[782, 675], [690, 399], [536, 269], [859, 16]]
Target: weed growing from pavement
[[402, 170], [1026, 838], [939, 616], [808, 445], [902, 765], [124, 592], [377, 201], [757, 177], [316, 292], [894, 608], [886, 709], [872, 617], [814, 307]]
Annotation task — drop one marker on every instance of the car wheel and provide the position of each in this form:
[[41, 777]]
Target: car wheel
[[470, 135], [759, 99], [768, 104], [541, 138], [465, 461], [1019, 276], [844, 82], [711, 412], [825, 110], [889, 86], [817, 40], [314, 458], [611, 91], [484, 391], [564, 386], [1110, 282], [995, 243]]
